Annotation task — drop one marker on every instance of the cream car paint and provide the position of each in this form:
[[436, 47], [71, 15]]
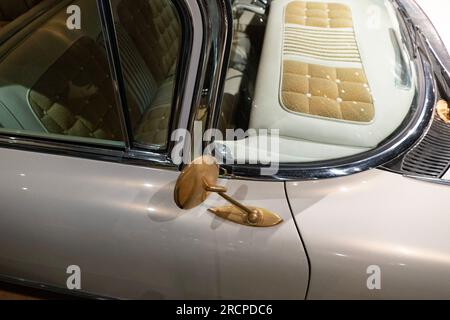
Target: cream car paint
[[374, 218], [120, 225], [377, 218]]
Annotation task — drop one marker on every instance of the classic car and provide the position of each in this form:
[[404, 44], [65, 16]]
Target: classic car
[[224, 149]]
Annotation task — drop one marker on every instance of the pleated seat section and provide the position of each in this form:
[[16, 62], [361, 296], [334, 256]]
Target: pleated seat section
[[323, 74]]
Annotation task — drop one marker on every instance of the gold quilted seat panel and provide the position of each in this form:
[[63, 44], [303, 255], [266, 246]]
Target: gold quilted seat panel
[[322, 72], [155, 30], [76, 97], [318, 14], [338, 93]]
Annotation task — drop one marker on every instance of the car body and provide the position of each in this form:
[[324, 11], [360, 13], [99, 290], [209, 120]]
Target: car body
[[91, 160]]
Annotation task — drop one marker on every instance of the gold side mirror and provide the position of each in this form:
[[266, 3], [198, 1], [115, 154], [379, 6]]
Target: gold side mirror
[[199, 179]]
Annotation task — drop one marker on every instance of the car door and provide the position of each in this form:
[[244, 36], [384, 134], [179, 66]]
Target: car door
[[344, 106], [86, 181], [119, 224], [389, 234]]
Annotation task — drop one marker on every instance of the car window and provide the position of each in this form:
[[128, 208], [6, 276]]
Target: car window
[[312, 81], [149, 39], [55, 79]]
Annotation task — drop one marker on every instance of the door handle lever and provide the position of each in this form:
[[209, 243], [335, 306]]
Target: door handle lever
[[240, 213], [199, 179]]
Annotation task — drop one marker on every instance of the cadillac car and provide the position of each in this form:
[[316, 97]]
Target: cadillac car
[[225, 149]]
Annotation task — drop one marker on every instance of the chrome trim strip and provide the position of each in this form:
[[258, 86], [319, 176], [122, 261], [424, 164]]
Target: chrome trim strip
[[53, 289], [424, 26], [206, 49], [87, 151], [222, 47], [193, 79], [443, 182], [217, 50], [183, 71], [115, 64]]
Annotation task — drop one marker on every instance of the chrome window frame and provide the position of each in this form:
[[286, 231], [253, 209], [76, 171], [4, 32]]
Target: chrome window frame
[[131, 154], [212, 72], [220, 49], [418, 31]]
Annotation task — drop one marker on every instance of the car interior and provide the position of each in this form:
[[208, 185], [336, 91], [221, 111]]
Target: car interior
[[318, 79], [305, 75], [56, 80]]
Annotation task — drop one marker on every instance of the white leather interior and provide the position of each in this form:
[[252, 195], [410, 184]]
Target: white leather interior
[[372, 27], [54, 80], [265, 148], [20, 71]]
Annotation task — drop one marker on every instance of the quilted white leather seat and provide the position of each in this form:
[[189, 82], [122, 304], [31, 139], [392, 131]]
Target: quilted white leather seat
[[327, 77]]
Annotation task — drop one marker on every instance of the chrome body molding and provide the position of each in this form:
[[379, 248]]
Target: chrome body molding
[[218, 32], [443, 182], [48, 288]]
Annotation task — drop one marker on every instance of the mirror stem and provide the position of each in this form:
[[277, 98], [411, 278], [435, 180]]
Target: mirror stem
[[253, 216], [236, 203]]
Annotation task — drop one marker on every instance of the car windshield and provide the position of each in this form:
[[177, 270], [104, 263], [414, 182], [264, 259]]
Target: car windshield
[[315, 80]]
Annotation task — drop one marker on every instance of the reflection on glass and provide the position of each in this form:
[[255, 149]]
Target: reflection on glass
[[55, 77], [320, 80], [149, 37]]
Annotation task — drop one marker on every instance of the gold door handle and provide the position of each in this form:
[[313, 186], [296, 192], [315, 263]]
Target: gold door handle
[[239, 213], [199, 179]]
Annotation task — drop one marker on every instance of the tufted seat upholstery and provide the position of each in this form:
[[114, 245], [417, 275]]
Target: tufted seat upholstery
[[155, 30], [12, 9], [317, 14], [70, 87], [75, 96], [338, 93], [328, 90], [326, 78], [152, 30]]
